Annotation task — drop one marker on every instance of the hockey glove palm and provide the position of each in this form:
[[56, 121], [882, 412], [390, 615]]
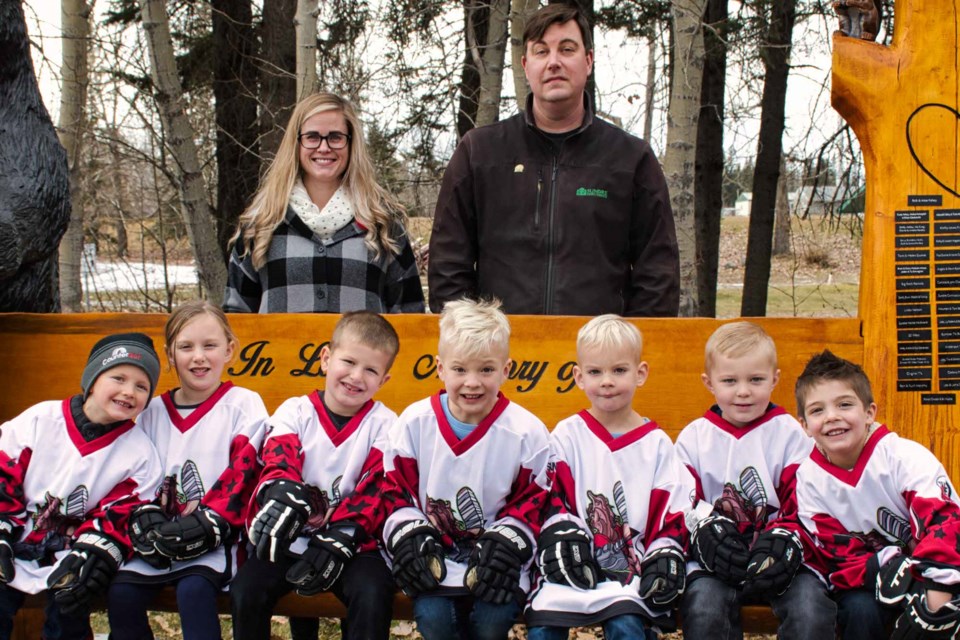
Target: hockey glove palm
[[663, 576], [142, 529], [719, 548], [774, 560], [84, 572], [418, 564], [192, 536], [917, 623], [493, 571], [285, 509], [896, 585], [565, 556], [7, 537], [327, 554]]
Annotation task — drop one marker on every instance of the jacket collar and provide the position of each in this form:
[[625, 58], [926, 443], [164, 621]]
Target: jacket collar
[[588, 114]]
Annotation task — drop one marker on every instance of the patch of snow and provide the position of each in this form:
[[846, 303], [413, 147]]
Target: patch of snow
[[137, 276]]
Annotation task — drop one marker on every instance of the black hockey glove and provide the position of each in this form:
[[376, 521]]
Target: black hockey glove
[[8, 535], [493, 571], [418, 564], [720, 549], [327, 554], [896, 586], [84, 572], [663, 576], [192, 536], [142, 530], [285, 508], [774, 560], [566, 557], [917, 623]]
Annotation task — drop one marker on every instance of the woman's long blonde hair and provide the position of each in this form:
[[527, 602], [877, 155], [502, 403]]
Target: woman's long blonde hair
[[375, 208]]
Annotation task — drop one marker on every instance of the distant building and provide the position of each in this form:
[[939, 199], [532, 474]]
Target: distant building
[[742, 205]]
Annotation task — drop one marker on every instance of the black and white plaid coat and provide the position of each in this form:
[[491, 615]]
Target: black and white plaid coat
[[304, 274]]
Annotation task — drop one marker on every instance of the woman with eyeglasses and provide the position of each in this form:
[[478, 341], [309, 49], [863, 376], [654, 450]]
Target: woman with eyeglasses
[[321, 235]]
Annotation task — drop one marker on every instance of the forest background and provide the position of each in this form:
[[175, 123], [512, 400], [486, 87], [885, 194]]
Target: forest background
[[171, 110]]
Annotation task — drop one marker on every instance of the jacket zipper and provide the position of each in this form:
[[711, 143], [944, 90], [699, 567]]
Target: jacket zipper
[[548, 294], [536, 213]]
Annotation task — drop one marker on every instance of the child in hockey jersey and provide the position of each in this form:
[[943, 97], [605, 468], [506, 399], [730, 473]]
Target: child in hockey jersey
[[466, 477], [207, 433], [611, 548], [319, 511], [744, 453], [878, 514], [71, 472]]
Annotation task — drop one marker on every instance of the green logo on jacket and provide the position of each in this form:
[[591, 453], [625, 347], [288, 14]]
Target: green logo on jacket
[[592, 193]]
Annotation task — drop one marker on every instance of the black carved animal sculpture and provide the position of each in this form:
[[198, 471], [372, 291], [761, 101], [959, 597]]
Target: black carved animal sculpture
[[34, 181]]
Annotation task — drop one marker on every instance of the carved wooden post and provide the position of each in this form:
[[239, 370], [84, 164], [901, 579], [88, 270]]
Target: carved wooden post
[[902, 102]]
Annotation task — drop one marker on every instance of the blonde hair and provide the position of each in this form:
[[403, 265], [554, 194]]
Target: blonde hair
[[376, 209], [608, 332], [737, 339], [474, 327], [369, 329], [187, 312]]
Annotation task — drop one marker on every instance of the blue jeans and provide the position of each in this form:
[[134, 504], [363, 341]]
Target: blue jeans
[[56, 626], [463, 618], [625, 627], [861, 617], [127, 605], [711, 609]]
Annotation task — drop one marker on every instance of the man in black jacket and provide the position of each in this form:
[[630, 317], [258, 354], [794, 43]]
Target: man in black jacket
[[555, 211]]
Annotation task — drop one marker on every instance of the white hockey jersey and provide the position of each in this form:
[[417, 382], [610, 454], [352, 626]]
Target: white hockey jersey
[[630, 493], [343, 469], [209, 458], [897, 497], [55, 485], [744, 473], [496, 475]]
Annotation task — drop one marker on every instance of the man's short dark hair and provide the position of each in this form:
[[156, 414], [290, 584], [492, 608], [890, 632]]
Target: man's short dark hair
[[558, 13], [827, 366]]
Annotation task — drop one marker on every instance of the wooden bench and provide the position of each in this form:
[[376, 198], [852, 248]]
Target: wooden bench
[[44, 355]]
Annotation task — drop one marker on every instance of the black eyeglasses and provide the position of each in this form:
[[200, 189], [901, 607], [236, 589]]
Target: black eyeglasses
[[335, 140]]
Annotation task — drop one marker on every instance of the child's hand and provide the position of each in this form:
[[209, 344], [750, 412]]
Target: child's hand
[[565, 556], [774, 560], [663, 576], [7, 537], [919, 622], [84, 572], [895, 584], [493, 571], [418, 564], [143, 523], [328, 552], [192, 536], [286, 508], [936, 599], [718, 546]]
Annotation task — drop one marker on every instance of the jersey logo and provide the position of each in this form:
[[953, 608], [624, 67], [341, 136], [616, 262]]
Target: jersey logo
[[583, 192], [746, 505], [459, 527], [322, 505], [178, 499], [53, 526], [612, 536]]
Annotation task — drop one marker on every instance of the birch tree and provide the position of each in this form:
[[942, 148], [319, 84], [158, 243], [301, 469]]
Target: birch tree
[[306, 29], [75, 26], [520, 11], [196, 210], [680, 158], [490, 63]]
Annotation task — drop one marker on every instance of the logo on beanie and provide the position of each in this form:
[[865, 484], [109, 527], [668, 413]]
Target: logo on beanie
[[120, 352]]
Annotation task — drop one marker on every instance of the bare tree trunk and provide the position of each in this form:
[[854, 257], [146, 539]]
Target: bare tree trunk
[[75, 24], [306, 29], [680, 159], [781, 230], [116, 171], [476, 17], [235, 104], [776, 54], [651, 92], [708, 191], [520, 10], [278, 74], [197, 213], [491, 68]]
